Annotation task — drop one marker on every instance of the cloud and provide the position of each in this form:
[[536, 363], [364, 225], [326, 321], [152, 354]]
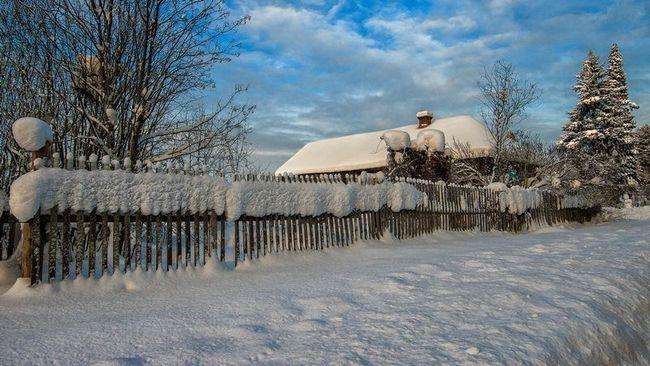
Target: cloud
[[321, 69]]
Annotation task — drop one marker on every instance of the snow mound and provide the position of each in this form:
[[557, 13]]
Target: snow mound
[[114, 191], [432, 140], [396, 140], [107, 191], [497, 187], [314, 199], [31, 133]]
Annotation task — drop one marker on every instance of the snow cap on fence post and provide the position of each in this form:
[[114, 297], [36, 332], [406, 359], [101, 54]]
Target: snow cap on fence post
[[92, 159], [31, 134], [106, 162], [69, 161], [127, 164], [56, 160]]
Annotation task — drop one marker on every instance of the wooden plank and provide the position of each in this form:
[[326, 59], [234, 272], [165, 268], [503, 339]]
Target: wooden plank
[[195, 252], [214, 234], [137, 245], [178, 250], [117, 239], [156, 249], [207, 234], [258, 236], [79, 244], [187, 241], [168, 242], [31, 253], [276, 233], [236, 241], [52, 244], [66, 254], [222, 232], [265, 235], [126, 248], [92, 238], [148, 240], [103, 250]]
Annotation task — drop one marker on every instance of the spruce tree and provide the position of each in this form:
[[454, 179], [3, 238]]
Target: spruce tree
[[583, 135], [619, 124]]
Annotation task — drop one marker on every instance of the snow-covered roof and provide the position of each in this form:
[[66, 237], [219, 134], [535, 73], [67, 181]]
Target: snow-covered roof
[[367, 151]]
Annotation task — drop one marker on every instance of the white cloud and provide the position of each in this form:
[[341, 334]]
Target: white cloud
[[315, 74]]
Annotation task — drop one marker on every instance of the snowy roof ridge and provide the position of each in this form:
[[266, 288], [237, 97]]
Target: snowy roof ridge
[[365, 151]]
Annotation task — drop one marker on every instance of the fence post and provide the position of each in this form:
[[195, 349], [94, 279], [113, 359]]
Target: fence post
[[28, 242]]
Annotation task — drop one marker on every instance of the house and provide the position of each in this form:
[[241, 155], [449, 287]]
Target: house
[[367, 152]]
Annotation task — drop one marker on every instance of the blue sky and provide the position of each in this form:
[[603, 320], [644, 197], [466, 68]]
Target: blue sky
[[319, 69]]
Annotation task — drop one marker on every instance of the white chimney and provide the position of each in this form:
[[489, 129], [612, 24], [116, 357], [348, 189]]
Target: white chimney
[[424, 118]]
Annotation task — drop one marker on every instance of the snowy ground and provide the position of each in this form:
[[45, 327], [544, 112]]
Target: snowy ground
[[556, 296]]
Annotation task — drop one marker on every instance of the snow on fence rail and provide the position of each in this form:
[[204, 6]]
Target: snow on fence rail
[[92, 222]]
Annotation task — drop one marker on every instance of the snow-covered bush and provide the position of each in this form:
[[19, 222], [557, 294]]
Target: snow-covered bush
[[114, 191], [31, 133], [430, 140], [518, 200], [396, 140]]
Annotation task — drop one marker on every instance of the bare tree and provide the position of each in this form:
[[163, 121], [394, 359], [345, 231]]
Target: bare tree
[[504, 99], [466, 165], [122, 77]]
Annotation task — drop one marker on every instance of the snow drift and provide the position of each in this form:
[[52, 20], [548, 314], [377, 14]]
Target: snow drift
[[313, 199], [158, 193], [114, 191]]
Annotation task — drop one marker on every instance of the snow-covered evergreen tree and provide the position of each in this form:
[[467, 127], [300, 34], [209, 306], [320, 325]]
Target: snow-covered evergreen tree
[[583, 135], [599, 138], [620, 142]]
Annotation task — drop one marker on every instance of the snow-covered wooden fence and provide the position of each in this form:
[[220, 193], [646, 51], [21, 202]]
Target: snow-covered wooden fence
[[94, 217]]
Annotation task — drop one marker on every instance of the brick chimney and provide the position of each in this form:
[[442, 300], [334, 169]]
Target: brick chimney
[[424, 118]]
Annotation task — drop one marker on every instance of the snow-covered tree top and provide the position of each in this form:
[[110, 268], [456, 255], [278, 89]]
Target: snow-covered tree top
[[31, 133], [396, 140], [430, 139]]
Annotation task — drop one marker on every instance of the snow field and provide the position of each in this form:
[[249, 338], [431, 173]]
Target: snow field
[[557, 296]]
